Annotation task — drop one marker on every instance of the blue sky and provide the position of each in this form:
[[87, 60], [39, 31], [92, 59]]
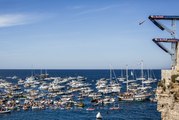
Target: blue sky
[[81, 34]]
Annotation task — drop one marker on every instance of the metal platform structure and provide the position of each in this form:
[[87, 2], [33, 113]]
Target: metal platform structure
[[174, 42]]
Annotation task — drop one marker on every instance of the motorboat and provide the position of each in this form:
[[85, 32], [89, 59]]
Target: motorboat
[[90, 109], [126, 97], [4, 111]]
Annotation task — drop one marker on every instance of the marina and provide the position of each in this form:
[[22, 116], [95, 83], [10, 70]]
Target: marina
[[89, 60], [76, 91]]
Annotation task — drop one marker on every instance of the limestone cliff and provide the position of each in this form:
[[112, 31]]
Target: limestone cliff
[[168, 95]]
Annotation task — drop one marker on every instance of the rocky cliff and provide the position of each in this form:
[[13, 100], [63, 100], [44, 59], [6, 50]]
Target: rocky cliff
[[168, 95]]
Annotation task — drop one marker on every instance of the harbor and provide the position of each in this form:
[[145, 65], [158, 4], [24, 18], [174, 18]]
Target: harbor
[[43, 92], [89, 60]]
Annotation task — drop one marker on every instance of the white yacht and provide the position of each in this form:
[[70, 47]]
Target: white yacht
[[30, 80], [44, 87]]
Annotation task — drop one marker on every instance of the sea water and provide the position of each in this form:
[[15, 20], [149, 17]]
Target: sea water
[[128, 110]]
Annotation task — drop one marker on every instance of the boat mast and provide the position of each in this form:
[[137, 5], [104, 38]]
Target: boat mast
[[110, 75], [114, 76], [32, 71], [122, 73], [40, 71], [127, 78], [142, 73], [46, 72]]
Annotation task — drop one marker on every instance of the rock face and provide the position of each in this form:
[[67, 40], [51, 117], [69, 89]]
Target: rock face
[[168, 95]]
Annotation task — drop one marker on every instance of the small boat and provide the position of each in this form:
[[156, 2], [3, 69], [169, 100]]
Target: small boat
[[4, 111], [35, 107], [153, 99], [90, 109], [44, 87], [20, 82], [114, 108], [141, 97], [127, 96], [80, 104], [25, 108], [14, 77]]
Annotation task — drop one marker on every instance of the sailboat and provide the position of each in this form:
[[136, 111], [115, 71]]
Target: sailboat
[[142, 78], [110, 86], [114, 85], [142, 73], [131, 80], [150, 78], [121, 78], [133, 83], [127, 96], [142, 94], [43, 75], [137, 94]]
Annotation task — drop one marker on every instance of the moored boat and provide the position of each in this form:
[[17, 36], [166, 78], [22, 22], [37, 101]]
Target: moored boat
[[4, 111], [90, 109]]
